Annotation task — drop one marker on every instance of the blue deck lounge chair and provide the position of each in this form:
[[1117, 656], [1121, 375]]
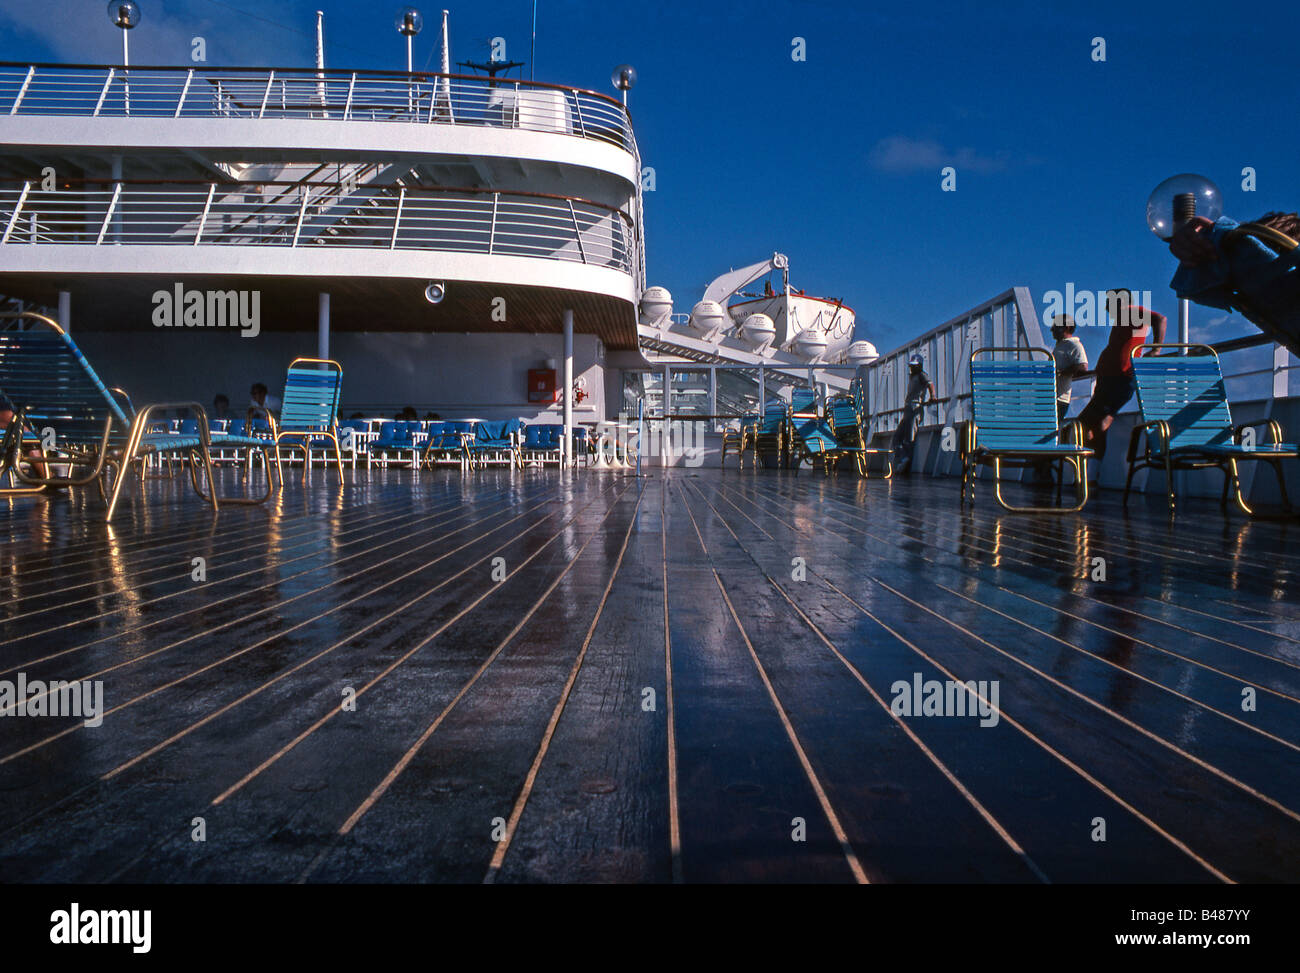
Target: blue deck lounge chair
[[98, 434], [814, 441], [542, 443], [1014, 407], [398, 438], [448, 442], [739, 439], [309, 410], [848, 428], [1187, 424], [772, 435], [496, 442]]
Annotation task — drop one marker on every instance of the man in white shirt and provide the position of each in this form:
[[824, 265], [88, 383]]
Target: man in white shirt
[[260, 403], [1071, 361]]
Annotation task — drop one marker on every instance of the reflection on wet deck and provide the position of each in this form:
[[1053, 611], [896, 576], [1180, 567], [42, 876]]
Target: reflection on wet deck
[[692, 677]]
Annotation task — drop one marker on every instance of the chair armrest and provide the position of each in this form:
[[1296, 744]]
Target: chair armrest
[[1274, 429], [1074, 428], [1162, 430]]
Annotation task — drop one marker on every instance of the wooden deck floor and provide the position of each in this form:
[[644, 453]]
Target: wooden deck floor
[[651, 688]]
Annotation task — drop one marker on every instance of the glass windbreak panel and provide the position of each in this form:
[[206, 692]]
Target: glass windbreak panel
[[690, 392], [644, 387]]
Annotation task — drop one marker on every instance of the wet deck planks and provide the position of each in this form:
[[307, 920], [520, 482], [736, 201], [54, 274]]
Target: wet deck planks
[[655, 690]]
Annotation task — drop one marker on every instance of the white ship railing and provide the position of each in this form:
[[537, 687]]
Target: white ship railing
[[306, 93], [304, 215]]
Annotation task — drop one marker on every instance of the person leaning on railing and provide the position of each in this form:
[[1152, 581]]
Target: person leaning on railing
[[919, 387], [1115, 383], [1250, 268]]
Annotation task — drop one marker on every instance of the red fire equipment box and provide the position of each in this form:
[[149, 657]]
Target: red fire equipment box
[[542, 386]]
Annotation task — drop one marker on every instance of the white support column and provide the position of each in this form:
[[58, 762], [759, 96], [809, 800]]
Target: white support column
[[666, 426], [323, 326], [65, 310], [566, 445], [1184, 322]]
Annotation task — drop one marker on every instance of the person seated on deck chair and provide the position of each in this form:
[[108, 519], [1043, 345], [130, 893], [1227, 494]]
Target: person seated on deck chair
[[220, 407], [260, 403], [7, 413], [919, 387], [1255, 277], [1115, 383]]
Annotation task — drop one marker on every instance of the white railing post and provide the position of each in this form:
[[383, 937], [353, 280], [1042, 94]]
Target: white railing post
[[108, 81], [112, 205], [31, 71], [18, 207], [397, 217], [492, 231], [266, 95], [347, 106], [185, 90], [302, 209], [573, 214], [203, 219]]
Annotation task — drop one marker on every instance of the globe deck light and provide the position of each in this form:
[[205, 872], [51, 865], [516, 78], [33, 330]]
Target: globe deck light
[[1178, 199], [124, 14], [623, 78], [408, 24]]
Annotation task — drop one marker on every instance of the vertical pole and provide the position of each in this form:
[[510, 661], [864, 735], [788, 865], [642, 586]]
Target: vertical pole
[[323, 326], [532, 50], [1184, 322], [665, 436], [117, 180], [566, 444], [762, 391], [65, 311], [713, 397]]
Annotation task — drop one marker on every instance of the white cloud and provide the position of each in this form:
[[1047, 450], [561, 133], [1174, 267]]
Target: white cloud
[[901, 153]]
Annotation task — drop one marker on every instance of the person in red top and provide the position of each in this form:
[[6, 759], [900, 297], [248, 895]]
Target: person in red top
[[1115, 384]]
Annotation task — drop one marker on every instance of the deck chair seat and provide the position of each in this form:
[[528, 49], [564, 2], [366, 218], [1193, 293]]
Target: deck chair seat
[[1014, 424], [844, 413], [1187, 423], [816, 443], [97, 430]]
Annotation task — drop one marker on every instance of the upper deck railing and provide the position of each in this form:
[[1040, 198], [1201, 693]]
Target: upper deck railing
[[303, 215], [418, 98]]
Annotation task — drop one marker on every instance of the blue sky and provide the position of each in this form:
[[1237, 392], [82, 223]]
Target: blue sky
[[835, 160]]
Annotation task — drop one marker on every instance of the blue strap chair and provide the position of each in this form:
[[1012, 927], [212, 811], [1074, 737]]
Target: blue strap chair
[[98, 433], [849, 429], [772, 435], [309, 410], [739, 438], [1187, 424], [1014, 408], [814, 441]]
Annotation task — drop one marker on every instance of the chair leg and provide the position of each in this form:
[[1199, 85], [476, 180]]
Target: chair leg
[[1281, 484]]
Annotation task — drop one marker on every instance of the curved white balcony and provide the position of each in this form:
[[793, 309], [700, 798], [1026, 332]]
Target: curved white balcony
[[309, 217], [365, 111]]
